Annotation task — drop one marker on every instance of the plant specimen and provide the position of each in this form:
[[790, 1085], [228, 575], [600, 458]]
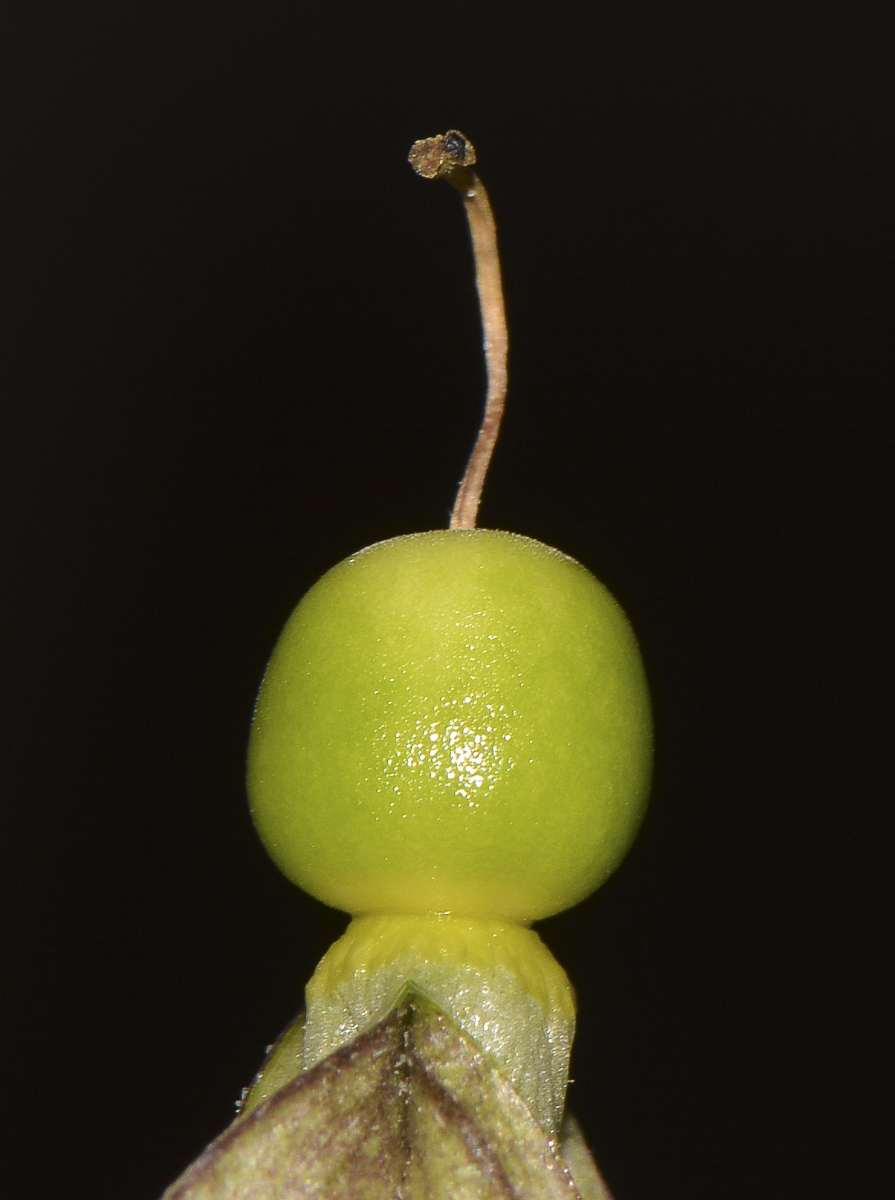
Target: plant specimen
[[452, 740]]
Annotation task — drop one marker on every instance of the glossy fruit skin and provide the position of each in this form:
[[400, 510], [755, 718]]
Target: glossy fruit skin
[[455, 721]]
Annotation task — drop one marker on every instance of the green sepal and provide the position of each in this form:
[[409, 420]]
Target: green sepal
[[498, 981], [411, 1108]]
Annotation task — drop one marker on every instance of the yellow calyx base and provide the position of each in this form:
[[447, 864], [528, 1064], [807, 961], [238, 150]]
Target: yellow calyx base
[[497, 981]]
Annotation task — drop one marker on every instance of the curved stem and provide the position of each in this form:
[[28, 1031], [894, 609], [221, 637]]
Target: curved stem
[[450, 156]]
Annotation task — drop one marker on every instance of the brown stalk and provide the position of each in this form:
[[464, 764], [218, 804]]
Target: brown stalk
[[450, 156]]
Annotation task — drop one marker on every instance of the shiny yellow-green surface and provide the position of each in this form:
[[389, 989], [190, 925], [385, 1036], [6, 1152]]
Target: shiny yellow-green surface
[[454, 722]]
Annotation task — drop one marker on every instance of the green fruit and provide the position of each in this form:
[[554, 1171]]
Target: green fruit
[[452, 722]]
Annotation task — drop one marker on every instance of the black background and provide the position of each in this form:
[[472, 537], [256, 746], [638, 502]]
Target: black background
[[242, 343]]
